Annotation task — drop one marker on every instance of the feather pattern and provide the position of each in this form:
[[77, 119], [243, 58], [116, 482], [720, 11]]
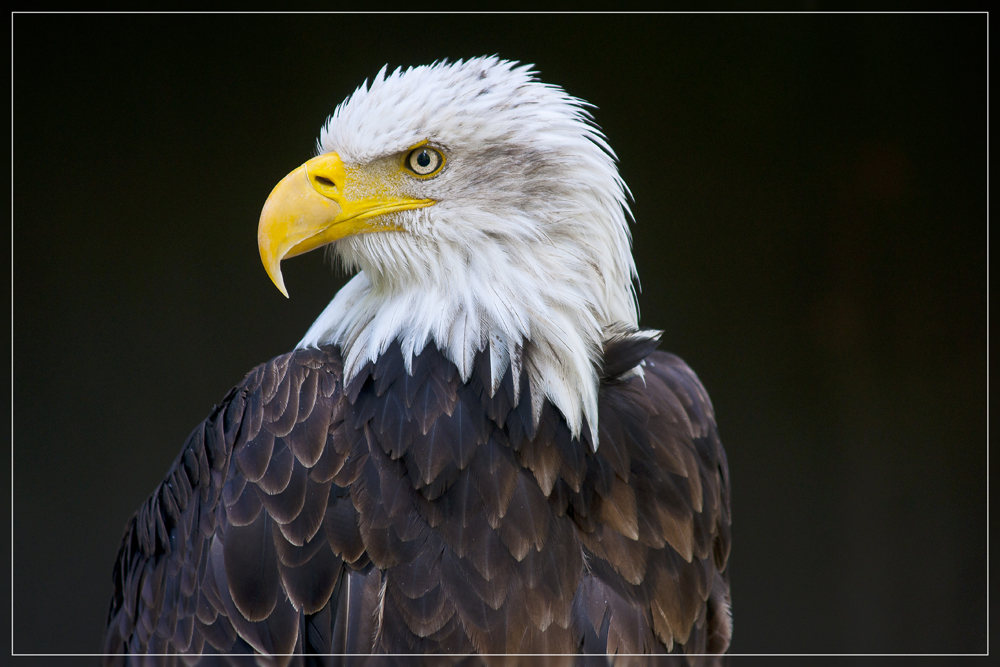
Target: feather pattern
[[497, 559]]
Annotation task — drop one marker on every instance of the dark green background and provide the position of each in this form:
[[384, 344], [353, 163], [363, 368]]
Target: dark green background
[[810, 197]]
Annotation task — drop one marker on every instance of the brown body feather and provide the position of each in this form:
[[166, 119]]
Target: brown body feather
[[413, 513]]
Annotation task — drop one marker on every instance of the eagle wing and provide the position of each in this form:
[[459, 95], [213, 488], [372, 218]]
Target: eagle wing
[[409, 512], [253, 525], [675, 572]]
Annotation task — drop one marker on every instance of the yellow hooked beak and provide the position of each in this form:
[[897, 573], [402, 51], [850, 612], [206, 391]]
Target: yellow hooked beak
[[312, 207]]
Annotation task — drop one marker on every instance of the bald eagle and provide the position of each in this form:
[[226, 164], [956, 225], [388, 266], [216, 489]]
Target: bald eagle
[[475, 448]]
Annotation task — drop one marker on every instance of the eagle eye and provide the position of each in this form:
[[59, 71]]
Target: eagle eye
[[424, 161]]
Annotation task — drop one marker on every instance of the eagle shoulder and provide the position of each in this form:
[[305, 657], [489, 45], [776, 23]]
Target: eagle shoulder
[[229, 549]]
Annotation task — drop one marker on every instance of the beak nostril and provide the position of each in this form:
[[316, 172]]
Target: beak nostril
[[323, 180]]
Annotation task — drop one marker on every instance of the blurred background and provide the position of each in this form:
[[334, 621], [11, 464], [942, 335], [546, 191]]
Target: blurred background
[[811, 233]]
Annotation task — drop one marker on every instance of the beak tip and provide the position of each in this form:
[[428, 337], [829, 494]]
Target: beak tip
[[277, 279], [280, 284]]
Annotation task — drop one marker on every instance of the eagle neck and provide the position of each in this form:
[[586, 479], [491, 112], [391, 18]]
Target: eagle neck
[[555, 344]]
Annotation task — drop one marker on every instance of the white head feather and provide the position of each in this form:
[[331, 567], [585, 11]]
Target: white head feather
[[527, 251]]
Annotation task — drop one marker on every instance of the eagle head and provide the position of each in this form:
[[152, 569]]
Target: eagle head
[[482, 211]]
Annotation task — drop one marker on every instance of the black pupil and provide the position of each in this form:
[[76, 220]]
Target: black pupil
[[423, 159]]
